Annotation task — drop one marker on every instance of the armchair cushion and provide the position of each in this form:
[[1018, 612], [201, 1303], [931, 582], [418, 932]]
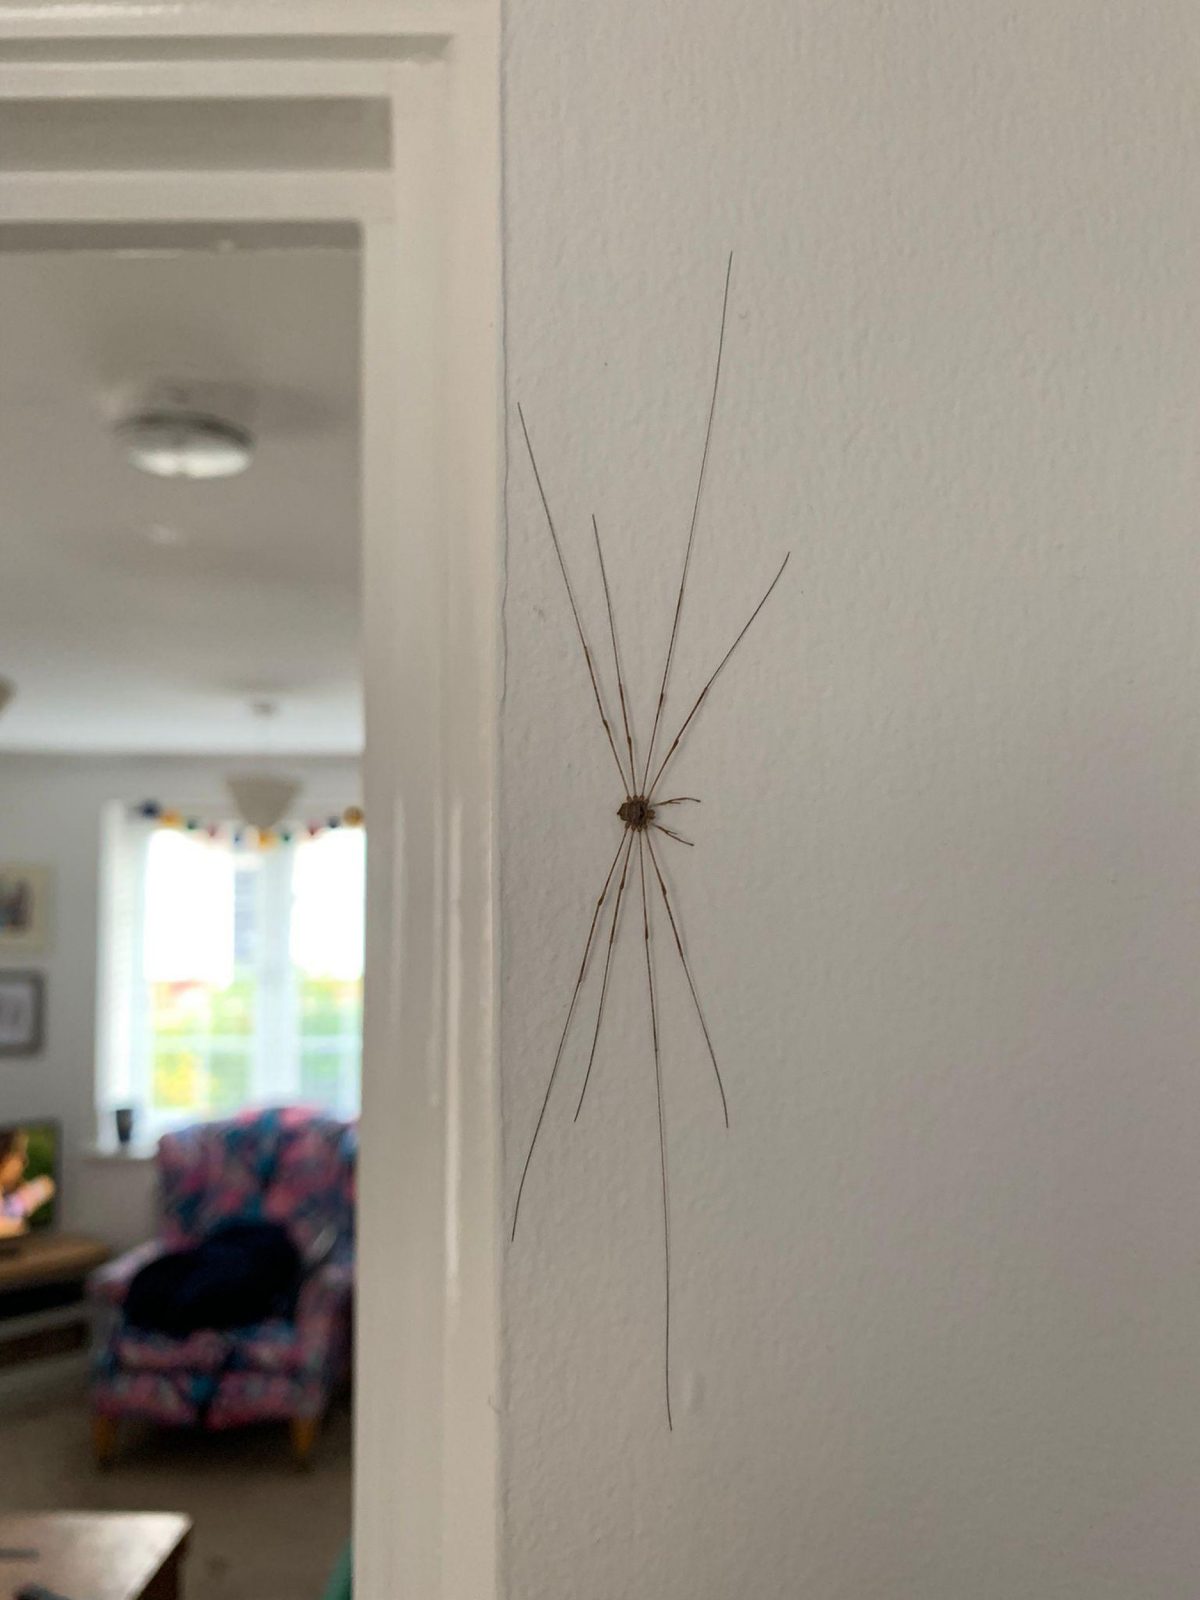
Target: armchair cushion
[[271, 1346], [140, 1351]]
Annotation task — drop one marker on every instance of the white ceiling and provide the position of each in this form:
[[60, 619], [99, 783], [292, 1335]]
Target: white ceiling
[[121, 639]]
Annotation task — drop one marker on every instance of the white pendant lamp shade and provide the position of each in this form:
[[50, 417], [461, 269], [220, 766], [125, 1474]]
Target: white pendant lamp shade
[[262, 798]]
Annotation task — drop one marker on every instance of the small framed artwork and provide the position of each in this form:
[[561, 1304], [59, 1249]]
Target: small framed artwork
[[24, 908], [22, 1000]]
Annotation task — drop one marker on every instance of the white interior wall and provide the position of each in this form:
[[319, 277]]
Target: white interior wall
[[936, 1309], [51, 809]]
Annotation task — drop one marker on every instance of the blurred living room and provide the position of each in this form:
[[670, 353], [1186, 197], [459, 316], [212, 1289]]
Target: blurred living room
[[182, 850]]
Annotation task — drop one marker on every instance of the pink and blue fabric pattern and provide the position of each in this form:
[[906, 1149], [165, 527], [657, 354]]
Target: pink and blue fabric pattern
[[289, 1165]]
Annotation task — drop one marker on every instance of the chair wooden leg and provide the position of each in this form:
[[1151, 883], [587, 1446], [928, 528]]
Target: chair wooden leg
[[104, 1438], [304, 1436]]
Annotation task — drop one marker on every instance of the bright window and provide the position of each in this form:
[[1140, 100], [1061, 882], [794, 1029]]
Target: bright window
[[233, 975]]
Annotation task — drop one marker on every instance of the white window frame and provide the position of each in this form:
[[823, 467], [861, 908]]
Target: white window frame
[[123, 1038], [425, 1493]]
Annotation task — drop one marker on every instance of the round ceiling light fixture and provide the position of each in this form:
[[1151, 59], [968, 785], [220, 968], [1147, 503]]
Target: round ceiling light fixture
[[169, 443]]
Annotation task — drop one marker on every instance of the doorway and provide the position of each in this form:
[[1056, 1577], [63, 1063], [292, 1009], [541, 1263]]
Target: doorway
[[360, 119]]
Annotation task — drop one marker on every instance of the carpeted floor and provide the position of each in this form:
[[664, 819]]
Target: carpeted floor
[[263, 1529]]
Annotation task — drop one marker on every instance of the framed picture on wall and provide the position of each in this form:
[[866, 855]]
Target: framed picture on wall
[[24, 908], [22, 999]]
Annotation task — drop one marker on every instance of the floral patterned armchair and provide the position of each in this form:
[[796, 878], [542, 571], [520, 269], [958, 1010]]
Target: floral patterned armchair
[[292, 1166]]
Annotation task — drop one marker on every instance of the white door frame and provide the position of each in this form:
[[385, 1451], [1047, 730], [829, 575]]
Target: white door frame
[[425, 1454]]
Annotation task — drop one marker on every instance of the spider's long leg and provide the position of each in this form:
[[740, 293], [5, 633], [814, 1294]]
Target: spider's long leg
[[587, 950], [687, 972], [677, 800], [612, 633], [671, 834], [562, 567], [691, 539], [612, 938], [700, 698], [662, 1132]]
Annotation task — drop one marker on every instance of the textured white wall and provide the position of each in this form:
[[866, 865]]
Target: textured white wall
[[937, 1312], [51, 810]]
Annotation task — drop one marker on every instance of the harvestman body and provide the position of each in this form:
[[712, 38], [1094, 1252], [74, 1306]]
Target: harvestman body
[[639, 814]]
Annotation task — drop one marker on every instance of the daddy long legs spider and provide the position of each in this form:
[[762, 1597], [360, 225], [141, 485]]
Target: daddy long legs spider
[[640, 814]]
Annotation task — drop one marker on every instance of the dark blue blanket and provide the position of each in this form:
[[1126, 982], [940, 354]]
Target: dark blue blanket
[[240, 1273]]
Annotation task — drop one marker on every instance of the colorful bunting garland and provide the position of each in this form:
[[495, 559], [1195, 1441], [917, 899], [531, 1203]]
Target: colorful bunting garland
[[241, 835]]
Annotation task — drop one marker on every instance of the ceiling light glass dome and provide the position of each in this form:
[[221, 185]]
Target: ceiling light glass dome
[[185, 444]]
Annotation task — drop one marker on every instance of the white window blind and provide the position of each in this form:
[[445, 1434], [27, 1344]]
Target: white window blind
[[231, 976]]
